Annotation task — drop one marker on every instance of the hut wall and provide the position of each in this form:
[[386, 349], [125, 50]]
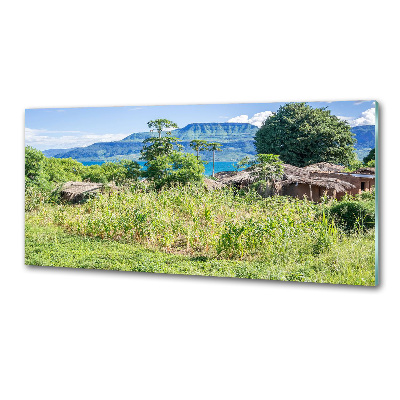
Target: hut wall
[[296, 190], [314, 193], [354, 180]]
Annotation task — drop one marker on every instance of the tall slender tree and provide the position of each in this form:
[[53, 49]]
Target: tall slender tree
[[214, 146], [198, 145], [160, 125], [159, 146]]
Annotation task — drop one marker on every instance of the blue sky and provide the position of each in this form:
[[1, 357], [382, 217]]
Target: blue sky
[[50, 128]]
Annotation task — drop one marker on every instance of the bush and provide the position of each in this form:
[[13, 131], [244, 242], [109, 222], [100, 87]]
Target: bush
[[174, 168], [120, 172], [34, 166], [352, 214], [61, 170], [370, 157]]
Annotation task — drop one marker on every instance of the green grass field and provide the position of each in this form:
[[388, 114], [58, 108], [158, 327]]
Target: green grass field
[[349, 260]]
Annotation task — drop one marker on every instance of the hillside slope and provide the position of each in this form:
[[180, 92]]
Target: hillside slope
[[236, 139]]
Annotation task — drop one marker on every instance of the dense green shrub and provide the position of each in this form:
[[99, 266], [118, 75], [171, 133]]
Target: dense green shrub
[[353, 214], [121, 172], [61, 170], [175, 168], [34, 167], [370, 157]]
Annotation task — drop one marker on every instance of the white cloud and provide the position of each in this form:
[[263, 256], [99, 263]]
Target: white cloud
[[43, 139], [367, 118], [240, 118], [260, 117], [256, 119]]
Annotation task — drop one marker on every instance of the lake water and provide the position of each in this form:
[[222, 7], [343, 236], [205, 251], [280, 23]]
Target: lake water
[[219, 166]]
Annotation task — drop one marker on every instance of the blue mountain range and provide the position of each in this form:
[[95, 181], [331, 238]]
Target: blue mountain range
[[237, 141]]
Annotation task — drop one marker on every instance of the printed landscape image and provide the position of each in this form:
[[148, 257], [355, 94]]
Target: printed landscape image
[[276, 191]]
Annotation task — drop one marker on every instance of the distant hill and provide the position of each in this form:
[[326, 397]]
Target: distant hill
[[365, 135], [236, 139], [56, 152]]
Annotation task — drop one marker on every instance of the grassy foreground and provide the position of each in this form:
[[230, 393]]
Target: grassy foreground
[[349, 261]]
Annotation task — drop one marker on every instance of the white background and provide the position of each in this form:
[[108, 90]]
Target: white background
[[77, 334]]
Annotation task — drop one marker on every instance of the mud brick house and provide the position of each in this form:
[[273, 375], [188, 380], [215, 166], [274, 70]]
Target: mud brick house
[[314, 181]]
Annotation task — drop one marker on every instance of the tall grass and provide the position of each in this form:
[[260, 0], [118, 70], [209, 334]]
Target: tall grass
[[194, 221]]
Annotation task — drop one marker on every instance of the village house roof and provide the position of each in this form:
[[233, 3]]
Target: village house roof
[[292, 175], [324, 167], [77, 191], [296, 175], [365, 171]]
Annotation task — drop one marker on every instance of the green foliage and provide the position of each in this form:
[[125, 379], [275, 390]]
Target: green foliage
[[155, 147], [353, 164], [38, 189], [160, 125], [266, 167], [214, 146], [62, 170], [175, 168], [243, 163], [188, 230], [303, 135], [34, 166], [370, 164], [370, 157], [95, 173], [121, 172], [354, 214], [45, 176], [350, 261], [198, 145]]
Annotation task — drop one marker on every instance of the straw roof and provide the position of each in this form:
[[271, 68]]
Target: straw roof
[[365, 170], [78, 191], [235, 177], [211, 184], [291, 175], [324, 167], [303, 175]]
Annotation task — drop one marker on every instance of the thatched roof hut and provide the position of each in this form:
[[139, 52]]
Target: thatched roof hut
[[211, 184], [235, 178], [296, 179], [295, 175], [79, 191]]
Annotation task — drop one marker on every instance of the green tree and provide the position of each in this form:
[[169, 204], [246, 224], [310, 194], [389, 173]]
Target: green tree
[[267, 167], [198, 145], [121, 172], [154, 147], [60, 170], [38, 189], [302, 135], [95, 173], [174, 168], [215, 146], [160, 125], [370, 157], [34, 165]]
